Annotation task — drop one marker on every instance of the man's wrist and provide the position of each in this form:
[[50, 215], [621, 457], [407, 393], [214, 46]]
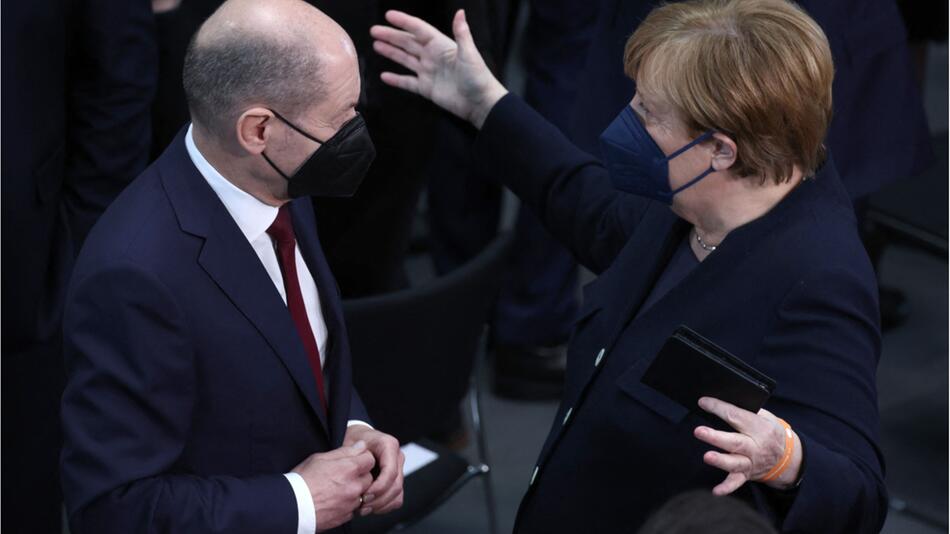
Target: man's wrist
[[306, 512], [358, 422]]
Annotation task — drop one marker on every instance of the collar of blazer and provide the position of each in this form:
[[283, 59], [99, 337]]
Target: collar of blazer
[[229, 260], [645, 255]]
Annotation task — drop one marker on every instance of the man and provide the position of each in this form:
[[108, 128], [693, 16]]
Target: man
[[208, 366], [78, 77]]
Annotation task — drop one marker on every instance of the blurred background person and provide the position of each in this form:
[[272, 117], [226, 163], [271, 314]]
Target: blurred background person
[[539, 299], [733, 143], [699, 512], [78, 79]]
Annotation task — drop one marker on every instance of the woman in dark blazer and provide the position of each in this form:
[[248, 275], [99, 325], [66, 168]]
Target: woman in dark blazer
[[718, 207]]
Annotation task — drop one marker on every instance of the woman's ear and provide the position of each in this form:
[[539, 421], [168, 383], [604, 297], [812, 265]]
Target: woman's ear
[[254, 128], [724, 153]]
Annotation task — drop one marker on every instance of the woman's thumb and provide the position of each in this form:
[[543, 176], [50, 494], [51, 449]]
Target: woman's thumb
[[463, 33]]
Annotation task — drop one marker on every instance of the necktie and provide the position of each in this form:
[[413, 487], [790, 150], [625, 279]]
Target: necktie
[[282, 232]]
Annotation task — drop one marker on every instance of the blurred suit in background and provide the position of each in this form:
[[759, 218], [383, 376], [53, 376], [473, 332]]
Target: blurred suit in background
[[79, 77]]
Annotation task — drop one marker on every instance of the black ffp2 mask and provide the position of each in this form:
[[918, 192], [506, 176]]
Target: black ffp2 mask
[[337, 167]]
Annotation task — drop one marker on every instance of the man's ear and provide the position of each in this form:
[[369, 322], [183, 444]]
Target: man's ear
[[724, 153], [254, 128]]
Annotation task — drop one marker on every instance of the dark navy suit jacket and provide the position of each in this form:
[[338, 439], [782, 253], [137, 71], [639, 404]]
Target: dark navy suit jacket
[[792, 293], [189, 392]]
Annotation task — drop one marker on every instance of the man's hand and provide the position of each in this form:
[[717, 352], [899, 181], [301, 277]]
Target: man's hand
[[336, 480], [452, 74], [385, 495]]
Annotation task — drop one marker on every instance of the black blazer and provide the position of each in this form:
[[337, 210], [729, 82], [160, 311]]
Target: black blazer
[[189, 392], [791, 293]]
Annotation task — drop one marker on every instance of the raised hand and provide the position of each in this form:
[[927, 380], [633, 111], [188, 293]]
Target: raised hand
[[450, 73]]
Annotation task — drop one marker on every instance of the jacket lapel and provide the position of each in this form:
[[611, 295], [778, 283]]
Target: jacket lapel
[[643, 260], [229, 260]]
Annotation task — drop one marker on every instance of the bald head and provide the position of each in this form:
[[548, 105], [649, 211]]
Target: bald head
[[281, 54]]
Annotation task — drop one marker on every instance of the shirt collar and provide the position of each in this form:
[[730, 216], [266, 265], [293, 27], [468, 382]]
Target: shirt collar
[[252, 216]]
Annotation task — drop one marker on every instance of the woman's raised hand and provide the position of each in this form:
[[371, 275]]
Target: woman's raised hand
[[450, 73]]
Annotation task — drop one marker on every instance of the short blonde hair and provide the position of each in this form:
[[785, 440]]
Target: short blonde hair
[[759, 71]]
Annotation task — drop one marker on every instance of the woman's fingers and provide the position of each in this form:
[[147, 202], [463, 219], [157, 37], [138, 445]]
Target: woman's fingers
[[401, 81], [727, 441], [732, 482], [742, 420], [732, 463], [420, 29], [399, 38], [398, 55]]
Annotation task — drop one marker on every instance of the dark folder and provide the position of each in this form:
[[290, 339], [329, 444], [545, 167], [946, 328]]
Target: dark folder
[[690, 366]]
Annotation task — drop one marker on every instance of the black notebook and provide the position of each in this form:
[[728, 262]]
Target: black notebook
[[690, 366]]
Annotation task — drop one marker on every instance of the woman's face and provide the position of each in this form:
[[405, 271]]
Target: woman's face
[[669, 133]]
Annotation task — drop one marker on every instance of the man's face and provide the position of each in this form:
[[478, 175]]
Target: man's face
[[288, 148], [342, 75]]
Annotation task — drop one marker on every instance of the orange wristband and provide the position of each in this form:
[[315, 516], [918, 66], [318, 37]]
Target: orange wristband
[[784, 462]]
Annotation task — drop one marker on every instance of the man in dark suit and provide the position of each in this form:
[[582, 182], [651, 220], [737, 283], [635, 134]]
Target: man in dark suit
[[78, 77], [208, 366]]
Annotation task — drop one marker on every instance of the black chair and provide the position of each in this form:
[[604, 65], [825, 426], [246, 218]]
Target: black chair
[[914, 211], [416, 355]]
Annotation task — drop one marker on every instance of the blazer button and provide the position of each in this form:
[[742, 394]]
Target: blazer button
[[600, 356], [567, 416], [533, 476]]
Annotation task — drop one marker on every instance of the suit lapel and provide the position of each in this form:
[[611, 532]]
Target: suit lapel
[[231, 262], [642, 261], [228, 258]]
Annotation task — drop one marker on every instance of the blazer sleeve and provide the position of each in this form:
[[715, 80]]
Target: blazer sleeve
[[112, 73], [126, 415], [358, 409], [567, 188], [824, 354]]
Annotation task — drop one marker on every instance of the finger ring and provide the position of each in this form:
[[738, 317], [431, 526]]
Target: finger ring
[[361, 501]]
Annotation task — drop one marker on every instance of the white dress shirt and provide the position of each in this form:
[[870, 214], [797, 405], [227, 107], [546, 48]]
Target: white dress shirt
[[254, 217]]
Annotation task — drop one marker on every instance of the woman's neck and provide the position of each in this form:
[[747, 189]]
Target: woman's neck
[[745, 200]]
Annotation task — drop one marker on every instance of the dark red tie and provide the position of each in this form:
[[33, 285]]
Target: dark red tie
[[282, 232]]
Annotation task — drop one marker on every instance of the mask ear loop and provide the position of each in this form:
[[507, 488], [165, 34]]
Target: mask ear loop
[[280, 172], [298, 130], [690, 145]]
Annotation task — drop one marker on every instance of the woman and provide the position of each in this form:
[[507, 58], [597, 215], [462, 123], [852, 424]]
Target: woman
[[720, 209]]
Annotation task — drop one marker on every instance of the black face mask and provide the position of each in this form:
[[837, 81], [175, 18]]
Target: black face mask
[[337, 167]]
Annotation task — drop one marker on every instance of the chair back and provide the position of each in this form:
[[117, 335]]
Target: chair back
[[413, 351]]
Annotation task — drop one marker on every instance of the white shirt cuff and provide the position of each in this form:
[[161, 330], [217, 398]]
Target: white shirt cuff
[[354, 422], [306, 515]]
